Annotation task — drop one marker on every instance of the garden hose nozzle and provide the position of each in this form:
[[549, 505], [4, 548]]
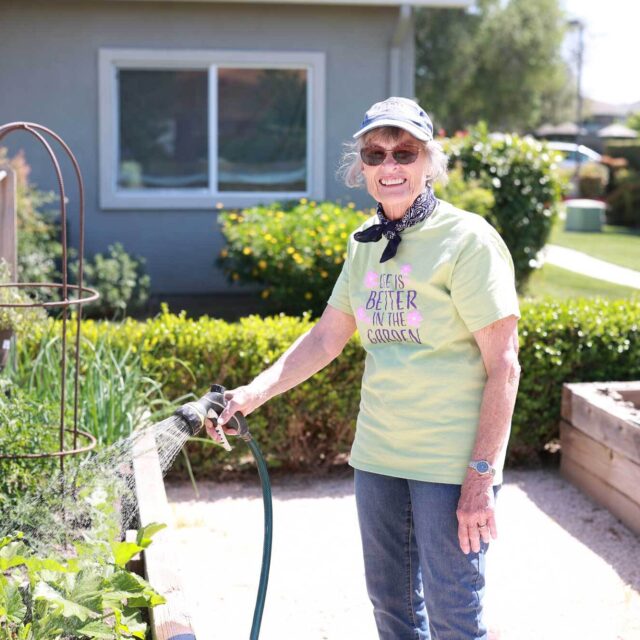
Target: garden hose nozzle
[[211, 406]]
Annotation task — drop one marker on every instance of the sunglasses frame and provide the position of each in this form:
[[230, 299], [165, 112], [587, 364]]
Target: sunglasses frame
[[413, 152]]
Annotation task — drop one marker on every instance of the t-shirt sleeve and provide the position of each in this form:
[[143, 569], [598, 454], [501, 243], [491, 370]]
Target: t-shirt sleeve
[[339, 298], [483, 282]]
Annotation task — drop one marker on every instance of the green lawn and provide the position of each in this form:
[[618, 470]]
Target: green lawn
[[560, 283], [618, 245]]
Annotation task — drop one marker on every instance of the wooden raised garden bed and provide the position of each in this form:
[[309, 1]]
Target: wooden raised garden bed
[[170, 621], [600, 444]]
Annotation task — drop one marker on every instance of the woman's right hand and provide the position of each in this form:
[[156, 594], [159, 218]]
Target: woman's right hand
[[244, 399]]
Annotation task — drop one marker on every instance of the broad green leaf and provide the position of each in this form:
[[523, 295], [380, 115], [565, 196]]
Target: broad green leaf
[[87, 588], [24, 633], [11, 604], [132, 620], [124, 551], [45, 564], [65, 607], [97, 629], [8, 563], [145, 533]]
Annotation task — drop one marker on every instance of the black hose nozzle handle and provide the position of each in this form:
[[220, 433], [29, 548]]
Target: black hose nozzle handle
[[194, 413]]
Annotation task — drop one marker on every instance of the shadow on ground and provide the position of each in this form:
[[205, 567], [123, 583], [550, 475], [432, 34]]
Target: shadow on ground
[[587, 522]]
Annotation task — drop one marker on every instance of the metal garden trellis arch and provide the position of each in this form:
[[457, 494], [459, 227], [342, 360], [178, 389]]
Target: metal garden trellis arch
[[64, 289]]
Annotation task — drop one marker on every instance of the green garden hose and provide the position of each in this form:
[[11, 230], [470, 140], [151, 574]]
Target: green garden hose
[[193, 416]]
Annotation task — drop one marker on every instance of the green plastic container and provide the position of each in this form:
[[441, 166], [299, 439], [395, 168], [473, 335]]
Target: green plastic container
[[584, 215]]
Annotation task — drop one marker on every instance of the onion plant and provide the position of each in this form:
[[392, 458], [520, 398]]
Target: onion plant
[[116, 395]]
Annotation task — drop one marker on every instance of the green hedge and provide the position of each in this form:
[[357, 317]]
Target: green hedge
[[311, 426]]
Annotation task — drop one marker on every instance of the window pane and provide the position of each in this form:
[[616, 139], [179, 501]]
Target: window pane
[[163, 129], [262, 130]]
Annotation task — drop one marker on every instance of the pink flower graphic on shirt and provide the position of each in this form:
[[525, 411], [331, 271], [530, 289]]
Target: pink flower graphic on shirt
[[371, 279], [405, 269], [361, 314], [414, 318]]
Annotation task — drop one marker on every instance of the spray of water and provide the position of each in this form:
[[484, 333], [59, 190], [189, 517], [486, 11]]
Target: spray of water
[[94, 497]]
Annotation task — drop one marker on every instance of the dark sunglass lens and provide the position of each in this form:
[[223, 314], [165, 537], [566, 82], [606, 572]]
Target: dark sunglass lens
[[372, 157], [405, 156]]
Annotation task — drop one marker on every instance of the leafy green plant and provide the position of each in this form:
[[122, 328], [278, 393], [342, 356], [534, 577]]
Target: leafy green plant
[[17, 320], [88, 595], [520, 172], [119, 278], [116, 394], [28, 426], [293, 254]]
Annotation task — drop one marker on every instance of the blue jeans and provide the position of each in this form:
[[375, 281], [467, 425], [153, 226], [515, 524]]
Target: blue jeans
[[422, 586]]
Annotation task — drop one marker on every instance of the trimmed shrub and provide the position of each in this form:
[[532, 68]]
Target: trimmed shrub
[[520, 172], [311, 426], [592, 180]]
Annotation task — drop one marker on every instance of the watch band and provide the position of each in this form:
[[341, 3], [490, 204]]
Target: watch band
[[482, 467]]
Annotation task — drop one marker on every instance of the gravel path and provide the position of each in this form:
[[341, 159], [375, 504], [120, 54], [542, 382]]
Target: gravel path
[[562, 569]]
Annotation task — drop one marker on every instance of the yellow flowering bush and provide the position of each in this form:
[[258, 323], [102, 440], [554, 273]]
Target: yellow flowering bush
[[294, 253]]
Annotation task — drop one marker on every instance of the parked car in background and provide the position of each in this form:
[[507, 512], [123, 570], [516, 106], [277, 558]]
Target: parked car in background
[[572, 152], [594, 175]]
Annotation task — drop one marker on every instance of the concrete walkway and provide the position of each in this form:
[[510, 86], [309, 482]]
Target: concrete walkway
[[584, 264], [563, 568]]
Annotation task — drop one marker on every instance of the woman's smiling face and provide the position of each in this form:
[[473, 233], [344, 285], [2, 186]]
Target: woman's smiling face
[[396, 185]]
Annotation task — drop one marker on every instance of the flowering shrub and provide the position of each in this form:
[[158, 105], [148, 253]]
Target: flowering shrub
[[527, 189], [293, 253]]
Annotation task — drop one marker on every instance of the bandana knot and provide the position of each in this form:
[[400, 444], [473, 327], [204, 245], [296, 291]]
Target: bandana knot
[[422, 207]]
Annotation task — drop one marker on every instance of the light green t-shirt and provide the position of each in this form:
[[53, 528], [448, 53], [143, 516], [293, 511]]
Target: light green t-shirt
[[424, 376]]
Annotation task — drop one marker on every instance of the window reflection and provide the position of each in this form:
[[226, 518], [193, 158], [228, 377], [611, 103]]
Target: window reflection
[[262, 129], [163, 129]]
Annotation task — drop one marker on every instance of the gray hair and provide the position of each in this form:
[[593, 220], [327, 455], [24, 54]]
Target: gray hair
[[350, 169]]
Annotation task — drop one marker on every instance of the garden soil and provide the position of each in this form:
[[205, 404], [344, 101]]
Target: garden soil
[[562, 568]]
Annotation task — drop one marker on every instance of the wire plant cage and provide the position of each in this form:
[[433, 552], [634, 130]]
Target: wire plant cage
[[68, 296]]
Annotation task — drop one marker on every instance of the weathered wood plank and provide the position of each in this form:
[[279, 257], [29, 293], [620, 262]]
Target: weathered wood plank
[[611, 467], [170, 621], [8, 231], [617, 503], [605, 420]]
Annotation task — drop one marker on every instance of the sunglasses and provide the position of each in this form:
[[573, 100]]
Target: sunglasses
[[374, 156]]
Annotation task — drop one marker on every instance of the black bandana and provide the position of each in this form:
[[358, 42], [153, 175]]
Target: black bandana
[[422, 207]]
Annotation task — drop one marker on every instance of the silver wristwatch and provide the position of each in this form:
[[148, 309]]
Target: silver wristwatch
[[482, 467]]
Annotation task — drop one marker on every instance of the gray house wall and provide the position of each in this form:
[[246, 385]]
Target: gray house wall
[[49, 75]]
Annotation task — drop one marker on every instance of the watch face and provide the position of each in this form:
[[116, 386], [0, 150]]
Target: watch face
[[482, 466]]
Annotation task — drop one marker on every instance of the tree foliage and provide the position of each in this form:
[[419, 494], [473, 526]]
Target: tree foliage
[[501, 64]]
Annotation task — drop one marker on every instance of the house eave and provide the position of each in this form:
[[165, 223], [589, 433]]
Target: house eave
[[451, 4]]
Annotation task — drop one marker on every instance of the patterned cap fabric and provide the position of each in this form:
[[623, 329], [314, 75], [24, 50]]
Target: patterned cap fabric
[[398, 112]]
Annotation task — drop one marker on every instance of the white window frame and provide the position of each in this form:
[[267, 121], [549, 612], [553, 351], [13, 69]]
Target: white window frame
[[111, 60]]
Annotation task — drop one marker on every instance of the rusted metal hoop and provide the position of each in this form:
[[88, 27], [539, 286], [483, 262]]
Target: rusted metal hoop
[[36, 131], [94, 295], [56, 454]]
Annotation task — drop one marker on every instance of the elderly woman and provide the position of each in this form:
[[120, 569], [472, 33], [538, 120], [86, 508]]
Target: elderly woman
[[430, 289]]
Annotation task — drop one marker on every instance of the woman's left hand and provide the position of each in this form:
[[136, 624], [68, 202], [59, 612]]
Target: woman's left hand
[[476, 512]]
